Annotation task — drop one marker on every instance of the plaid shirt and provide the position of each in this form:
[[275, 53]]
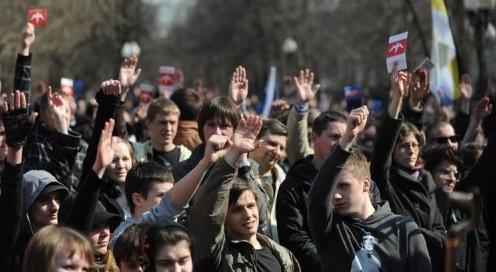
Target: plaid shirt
[[61, 155]]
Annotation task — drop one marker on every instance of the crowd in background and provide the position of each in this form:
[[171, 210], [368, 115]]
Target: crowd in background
[[197, 180]]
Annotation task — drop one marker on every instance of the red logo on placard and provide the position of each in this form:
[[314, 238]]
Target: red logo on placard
[[396, 48], [38, 17]]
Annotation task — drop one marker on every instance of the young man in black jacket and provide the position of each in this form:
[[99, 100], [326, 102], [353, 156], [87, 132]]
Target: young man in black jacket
[[350, 233]]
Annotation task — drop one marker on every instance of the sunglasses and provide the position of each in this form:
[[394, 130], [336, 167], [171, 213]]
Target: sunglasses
[[444, 140]]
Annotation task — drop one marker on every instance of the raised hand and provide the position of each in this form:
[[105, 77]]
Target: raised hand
[[111, 87], [106, 147], [129, 73], [420, 89], [16, 120], [57, 109], [466, 87], [238, 88], [482, 109], [245, 136], [400, 82], [355, 123], [216, 147], [27, 39], [305, 90]]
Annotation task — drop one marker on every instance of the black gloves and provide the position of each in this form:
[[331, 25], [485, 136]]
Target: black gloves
[[17, 127]]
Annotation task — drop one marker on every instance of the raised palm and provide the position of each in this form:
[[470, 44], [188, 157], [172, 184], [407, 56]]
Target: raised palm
[[238, 88], [245, 136], [305, 90], [466, 86], [128, 73], [106, 146]]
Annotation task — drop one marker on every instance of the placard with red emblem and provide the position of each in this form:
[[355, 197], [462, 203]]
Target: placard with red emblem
[[396, 52], [38, 17], [166, 80]]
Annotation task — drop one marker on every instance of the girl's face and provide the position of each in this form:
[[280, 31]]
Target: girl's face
[[66, 262], [122, 162], [174, 258]]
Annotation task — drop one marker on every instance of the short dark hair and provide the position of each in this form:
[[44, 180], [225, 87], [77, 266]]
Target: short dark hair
[[273, 126], [322, 121], [130, 244], [239, 187], [218, 108], [435, 155], [140, 178], [431, 127], [161, 235], [189, 103]]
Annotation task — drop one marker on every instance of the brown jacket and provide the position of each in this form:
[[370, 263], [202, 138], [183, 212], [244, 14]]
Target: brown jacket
[[187, 134], [214, 249]]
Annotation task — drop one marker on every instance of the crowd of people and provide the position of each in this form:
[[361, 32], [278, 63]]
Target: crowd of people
[[195, 182]]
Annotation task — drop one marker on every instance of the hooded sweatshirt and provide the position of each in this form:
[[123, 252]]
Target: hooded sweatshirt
[[382, 242]]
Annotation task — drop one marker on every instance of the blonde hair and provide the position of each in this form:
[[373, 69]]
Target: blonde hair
[[161, 105], [51, 241], [357, 165]]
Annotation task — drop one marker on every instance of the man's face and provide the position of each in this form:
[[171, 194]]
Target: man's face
[[444, 134], [349, 196], [174, 258], [121, 163], [406, 152], [163, 129], [217, 126], [155, 194], [446, 174], [242, 216], [45, 210], [100, 238], [324, 143], [272, 150]]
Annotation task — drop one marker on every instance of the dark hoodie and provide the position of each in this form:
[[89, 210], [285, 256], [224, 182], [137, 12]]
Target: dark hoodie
[[291, 214], [382, 242]]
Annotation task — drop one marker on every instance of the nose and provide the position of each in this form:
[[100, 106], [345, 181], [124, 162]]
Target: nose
[[54, 204], [337, 196], [218, 130]]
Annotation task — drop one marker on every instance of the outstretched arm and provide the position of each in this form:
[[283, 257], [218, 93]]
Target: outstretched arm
[[320, 210], [22, 76], [298, 146], [388, 133], [81, 215], [15, 119], [108, 99]]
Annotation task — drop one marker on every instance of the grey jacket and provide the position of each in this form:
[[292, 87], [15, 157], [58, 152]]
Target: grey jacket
[[214, 249]]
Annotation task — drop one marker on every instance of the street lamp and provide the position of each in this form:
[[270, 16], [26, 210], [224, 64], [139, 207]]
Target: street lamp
[[289, 47], [478, 13], [129, 49]]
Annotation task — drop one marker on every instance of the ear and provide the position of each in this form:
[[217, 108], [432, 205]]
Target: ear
[[367, 182], [313, 136], [137, 199]]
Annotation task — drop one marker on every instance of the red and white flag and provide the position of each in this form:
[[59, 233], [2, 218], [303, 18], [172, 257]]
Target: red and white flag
[[67, 86], [396, 52], [38, 17], [166, 80]]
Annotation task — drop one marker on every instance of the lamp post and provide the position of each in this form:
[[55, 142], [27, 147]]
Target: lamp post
[[478, 13], [289, 47], [129, 49]]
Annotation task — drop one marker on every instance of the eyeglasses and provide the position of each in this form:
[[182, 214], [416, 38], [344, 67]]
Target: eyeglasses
[[447, 173], [444, 140], [408, 145]]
